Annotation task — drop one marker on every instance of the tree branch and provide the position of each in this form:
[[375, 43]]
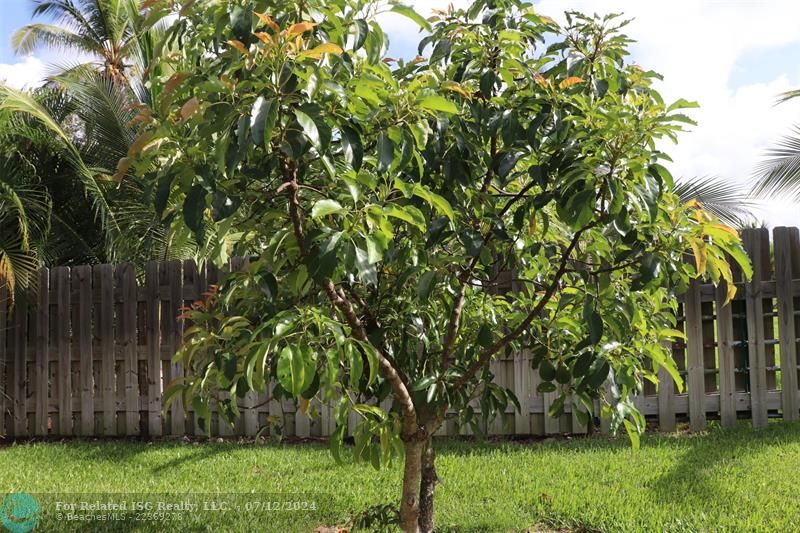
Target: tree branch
[[340, 302], [520, 329], [449, 342]]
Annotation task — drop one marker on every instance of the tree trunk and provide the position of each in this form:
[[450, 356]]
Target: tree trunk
[[412, 479], [427, 487]]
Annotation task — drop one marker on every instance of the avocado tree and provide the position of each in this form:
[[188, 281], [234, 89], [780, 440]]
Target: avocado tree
[[380, 199]]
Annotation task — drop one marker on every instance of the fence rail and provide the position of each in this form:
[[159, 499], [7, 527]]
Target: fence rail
[[90, 355]]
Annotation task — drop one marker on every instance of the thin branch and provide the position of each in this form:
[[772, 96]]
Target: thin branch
[[520, 329], [340, 302]]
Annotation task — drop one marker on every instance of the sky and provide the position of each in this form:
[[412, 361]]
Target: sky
[[734, 57]]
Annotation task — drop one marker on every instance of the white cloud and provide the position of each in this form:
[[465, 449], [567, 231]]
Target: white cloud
[[30, 72], [696, 45]]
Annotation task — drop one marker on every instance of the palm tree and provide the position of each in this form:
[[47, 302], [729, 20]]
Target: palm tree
[[105, 30], [39, 162], [61, 144]]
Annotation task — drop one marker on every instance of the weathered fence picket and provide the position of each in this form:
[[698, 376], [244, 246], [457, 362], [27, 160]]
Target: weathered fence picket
[[786, 269], [90, 353]]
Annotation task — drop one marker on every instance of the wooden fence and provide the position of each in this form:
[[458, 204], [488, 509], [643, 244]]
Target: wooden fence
[[91, 355]]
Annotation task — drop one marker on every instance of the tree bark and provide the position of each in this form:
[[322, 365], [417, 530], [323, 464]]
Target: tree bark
[[412, 479], [427, 487]]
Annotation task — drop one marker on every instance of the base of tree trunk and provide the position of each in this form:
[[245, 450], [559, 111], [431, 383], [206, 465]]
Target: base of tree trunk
[[427, 487], [412, 479]]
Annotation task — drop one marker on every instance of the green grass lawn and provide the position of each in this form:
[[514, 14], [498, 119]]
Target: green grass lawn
[[739, 480]]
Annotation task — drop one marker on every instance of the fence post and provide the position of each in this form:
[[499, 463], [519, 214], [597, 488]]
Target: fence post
[[104, 280], [175, 280], [694, 358], [522, 384], [42, 353], [666, 398], [754, 242], [82, 276], [727, 385], [126, 279], [61, 280], [193, 286], [785, 270], [152, 299], [20, 374]]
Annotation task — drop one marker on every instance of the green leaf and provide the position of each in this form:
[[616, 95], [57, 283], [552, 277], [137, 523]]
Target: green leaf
[[356, 364], [408, 214], [436, 103], [193, 208], [352, 147], [295, 369], [223, 206], [421, 131], [581, 414], [547, 371], [413, 15], [579, 208], [311, 129], [582, 364], [163, 189], [367, 272], [375, 248], [557, 407], [649, 268], [170, 393], [487, 83], [485, 335], [336, 443], [425, 285], [439, 203], [325, 207], [546, 386], [385, 152], [423, 383], [263, 118], [598, 373], [633, 433], [366, 92], [360, 32], [472, 241], [600, 88], [595, 327], [242, 22], [440, 51], [373, 359], [506, 163], [200, 406]]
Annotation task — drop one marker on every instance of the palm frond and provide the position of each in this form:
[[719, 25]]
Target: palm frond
[[66, 14], [17, 102], [727, 201], [788, 95], [18, 264], [33, 36], [105, 108], [779, 174]]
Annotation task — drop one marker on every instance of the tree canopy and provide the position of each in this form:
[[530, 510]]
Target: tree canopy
[[383, 198]]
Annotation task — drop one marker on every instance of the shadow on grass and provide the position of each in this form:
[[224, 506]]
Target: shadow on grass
[[464, 447], [691, 479], [194, 453]]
